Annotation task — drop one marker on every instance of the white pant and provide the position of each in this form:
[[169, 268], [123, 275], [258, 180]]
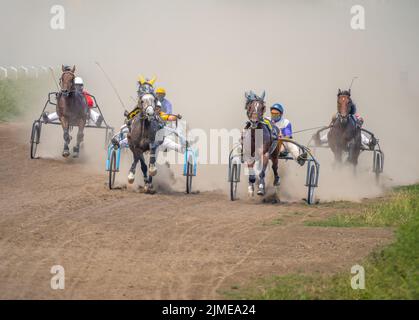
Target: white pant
[[291, 148], [167, 143], [93, 116]]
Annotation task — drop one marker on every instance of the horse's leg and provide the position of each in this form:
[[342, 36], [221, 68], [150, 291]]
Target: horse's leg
[[261, 189], [66, 136], [80, 136], [277, 180], [354, 152], [153, 157], [252, 178], [144, 169], [131, 175]]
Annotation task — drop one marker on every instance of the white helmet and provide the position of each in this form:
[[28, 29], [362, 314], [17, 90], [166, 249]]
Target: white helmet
[[78, 80]]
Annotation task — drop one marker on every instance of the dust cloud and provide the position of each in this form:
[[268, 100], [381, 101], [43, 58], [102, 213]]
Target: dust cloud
[[207, 53]]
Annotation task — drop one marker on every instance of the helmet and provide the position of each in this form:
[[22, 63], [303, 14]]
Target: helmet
[[78, 80], [278, 107], [160, 91]]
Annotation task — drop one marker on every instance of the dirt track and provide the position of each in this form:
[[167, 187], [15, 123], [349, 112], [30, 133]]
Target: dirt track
[[124, 244]]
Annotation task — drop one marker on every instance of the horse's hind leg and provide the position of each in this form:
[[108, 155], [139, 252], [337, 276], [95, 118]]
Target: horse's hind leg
[[66, 136], [252, 178], [80, 136]]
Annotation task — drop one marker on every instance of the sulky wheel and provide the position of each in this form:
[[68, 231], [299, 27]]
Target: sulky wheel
[[311, 185], [189, 175], [234, 180], [112, 169], [378, 165], [35, 137]]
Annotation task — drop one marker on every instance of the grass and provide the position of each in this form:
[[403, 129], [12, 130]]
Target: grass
[[394, 211], [274, 222], [17, 96], [391, 273]]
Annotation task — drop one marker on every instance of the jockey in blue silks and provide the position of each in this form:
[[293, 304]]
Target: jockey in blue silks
[[284, 127]]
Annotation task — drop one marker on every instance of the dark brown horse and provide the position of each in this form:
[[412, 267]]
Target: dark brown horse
[[345, 132], [71, 110], [259, 143]]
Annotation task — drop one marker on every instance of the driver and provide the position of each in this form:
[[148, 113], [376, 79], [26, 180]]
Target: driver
[[166, 106], [285, 131], [164, 118], [94, 116]]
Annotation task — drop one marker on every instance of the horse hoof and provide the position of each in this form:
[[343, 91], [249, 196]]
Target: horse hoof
[[148, 188], [152, 171], [131, 178], [261, 191], [66, 153], [75, 155], [251, 191]]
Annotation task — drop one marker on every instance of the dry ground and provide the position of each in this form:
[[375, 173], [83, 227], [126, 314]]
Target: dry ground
[[125, 244]]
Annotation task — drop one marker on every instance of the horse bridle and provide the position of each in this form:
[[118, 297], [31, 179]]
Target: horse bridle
[[341, 117], [66, 93], [254, 124]]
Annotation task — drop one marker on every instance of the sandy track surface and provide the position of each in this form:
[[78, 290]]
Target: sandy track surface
[[125, 244]]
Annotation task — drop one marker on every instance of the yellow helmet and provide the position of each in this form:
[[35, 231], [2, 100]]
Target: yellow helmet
[[161, 91]]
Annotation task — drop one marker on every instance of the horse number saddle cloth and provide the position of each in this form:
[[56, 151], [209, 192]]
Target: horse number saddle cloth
[[133, 113]]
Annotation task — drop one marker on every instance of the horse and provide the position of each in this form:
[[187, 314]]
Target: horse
[[71, 110], [345, 133], [268, 149], [142, 138]]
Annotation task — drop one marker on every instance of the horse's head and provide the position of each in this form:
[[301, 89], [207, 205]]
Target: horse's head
[[255, 108], [343, 103], [148, 105], [67, 80]]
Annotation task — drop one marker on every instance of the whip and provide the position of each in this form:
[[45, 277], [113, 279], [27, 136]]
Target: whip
[[53, 77], [352, 82], [309, 129], [113, 87]]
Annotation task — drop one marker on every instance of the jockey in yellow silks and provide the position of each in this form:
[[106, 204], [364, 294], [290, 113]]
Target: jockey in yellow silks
[[146, 87]]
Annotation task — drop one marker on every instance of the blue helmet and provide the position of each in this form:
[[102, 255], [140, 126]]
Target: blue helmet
[[278, 107]]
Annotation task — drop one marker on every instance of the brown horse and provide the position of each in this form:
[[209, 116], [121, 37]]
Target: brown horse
[[345, 132], [252, 149], [71, 110]]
